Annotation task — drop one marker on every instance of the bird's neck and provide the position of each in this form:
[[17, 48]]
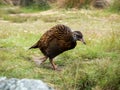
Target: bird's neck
[[74, 37]]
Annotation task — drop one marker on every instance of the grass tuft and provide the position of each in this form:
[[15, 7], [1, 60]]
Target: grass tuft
[[115, 6]]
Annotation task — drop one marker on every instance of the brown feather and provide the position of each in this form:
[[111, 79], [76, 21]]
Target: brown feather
[[58, 39]]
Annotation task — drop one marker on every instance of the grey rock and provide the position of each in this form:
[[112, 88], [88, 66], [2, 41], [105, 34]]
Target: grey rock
[[22, 84]]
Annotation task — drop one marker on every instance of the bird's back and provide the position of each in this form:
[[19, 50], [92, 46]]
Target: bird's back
[[56, 40], [59, 32]]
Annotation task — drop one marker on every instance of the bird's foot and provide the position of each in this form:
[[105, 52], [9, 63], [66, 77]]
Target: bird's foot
[[55, 67], [38, 62]]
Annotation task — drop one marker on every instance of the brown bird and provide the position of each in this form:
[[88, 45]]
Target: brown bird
[[57, 40]]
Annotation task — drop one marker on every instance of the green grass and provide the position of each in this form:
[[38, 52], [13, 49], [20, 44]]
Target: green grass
[[75, 4], [14, 14], [34, 8], [94, 66], [115, 7]]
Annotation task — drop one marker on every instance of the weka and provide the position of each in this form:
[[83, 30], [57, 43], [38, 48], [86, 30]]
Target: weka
[[55, 41]]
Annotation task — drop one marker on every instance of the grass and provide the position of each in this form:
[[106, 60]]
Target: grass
[[74, 3], [115, 6], [14, 14], [94, 66]]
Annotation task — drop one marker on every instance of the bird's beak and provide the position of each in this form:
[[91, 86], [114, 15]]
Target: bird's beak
[[82, 40]]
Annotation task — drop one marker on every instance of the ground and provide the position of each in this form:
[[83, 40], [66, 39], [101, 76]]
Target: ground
[[93, 66]]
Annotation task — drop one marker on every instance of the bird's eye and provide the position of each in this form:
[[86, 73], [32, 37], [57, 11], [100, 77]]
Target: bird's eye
[[79, 36]]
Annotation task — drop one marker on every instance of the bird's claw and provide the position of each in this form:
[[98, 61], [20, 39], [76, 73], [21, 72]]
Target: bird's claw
[[38, 62]]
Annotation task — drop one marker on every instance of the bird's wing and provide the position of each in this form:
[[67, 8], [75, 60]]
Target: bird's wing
[[65, 37], [46, 39], [60, 32]]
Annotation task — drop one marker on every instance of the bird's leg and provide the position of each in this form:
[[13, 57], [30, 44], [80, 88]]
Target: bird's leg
[[38, 62], [43, 59], [53, 64]]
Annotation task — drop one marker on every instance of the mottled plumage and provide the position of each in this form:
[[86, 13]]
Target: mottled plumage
[[58, 39]]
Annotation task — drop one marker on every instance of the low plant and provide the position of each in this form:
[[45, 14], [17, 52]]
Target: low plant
[[75, 3]]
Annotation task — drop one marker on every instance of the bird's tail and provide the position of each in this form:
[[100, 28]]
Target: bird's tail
[[34, 46]]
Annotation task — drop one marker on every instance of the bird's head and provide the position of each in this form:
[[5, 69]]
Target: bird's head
[[77, 35]]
